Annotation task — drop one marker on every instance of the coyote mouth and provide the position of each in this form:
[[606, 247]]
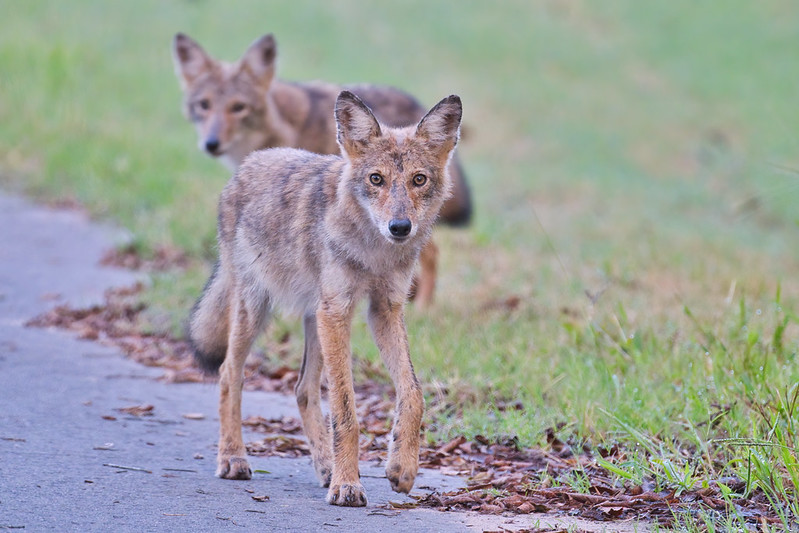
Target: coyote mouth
[[399, 240]]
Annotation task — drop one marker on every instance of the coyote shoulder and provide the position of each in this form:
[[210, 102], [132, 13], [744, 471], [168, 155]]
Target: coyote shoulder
[[314, 234], [241, 107]]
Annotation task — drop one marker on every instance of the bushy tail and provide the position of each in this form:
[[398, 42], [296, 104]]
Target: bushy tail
[[209, 323], [457, 210]]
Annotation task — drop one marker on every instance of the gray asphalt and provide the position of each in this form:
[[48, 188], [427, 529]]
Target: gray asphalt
[[70, 461]]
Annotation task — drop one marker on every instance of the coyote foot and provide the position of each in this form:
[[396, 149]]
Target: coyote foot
[[323, 471], [347, 495], [233, 468], [401, 478]]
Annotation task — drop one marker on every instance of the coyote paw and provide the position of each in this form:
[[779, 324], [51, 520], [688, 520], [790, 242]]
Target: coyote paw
[[323, 471], [347, 495], [233, 468], [401, 478]]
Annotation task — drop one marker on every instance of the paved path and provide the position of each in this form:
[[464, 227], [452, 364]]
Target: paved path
[[61, 433]]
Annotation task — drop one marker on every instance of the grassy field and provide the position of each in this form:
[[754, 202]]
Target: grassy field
[[631, 272]]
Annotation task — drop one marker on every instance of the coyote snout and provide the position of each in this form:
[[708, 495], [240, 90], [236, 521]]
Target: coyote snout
[[394, 219], [209, 140], [400, 228], [315, 234], [212, 146]]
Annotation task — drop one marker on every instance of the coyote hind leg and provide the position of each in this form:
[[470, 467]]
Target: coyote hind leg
[[246, 322], [309, 399]]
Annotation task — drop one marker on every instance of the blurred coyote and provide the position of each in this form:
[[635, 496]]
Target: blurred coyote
[[314, 234], [241, 107]]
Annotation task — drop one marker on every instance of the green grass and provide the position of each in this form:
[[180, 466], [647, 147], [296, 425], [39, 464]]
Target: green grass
[[635, 168]]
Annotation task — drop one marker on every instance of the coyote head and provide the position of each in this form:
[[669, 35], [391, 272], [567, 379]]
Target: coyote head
[[226, 102], [399, 175]]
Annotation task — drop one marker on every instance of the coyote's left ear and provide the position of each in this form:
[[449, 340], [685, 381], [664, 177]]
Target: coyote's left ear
[[259, 59], [440, 127], [356, 126]]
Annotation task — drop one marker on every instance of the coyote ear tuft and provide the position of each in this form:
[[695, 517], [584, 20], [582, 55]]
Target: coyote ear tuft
[[190, 59], [356, 125], [440, 127], [259, 59]]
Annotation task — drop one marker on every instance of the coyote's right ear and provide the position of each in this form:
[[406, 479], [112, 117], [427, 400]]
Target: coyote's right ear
[[190, 59], [355, 123], [259, 59]]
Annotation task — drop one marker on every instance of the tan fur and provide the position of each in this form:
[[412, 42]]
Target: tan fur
[[313, 235], [241, 107]]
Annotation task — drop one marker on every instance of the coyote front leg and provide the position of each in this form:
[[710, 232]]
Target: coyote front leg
[[309, 399], [387, 322], [334, 319]]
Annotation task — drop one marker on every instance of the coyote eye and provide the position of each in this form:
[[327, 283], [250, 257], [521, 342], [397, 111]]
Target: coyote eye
[[419, 180], [237, 107], [376, 179], [205, 104]]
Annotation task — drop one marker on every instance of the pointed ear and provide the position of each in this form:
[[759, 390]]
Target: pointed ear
[[190, 59], [440, 127], [259, 59], [356, 126]]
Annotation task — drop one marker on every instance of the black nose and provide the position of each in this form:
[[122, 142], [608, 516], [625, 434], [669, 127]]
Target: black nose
[[400, 227], [211, 146]]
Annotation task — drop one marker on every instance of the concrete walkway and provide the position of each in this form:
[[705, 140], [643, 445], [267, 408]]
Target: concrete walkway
[[71, 461]]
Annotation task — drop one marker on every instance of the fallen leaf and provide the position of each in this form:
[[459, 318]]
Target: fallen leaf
[[403, 505], [137, 410], [451, 445]]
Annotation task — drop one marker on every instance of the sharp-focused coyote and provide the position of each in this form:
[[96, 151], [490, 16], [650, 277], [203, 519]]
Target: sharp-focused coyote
[[313, 235]]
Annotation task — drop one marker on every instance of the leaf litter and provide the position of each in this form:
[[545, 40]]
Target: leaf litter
[[501, 477]]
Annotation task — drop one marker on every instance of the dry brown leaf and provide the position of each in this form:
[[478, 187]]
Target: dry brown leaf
[[137, 410], [451, 445], [403, 505]]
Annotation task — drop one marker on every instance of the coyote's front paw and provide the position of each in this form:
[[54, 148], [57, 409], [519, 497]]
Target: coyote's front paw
[[347, 495], [233, 468], [401, 476]]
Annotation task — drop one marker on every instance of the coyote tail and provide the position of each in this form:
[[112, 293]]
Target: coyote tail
[[209, 323]]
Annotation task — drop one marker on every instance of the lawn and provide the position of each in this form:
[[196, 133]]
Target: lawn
[[630, 275]]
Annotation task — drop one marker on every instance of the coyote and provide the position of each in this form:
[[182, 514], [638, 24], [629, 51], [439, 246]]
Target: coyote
[[241, 107], [313, 234]]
